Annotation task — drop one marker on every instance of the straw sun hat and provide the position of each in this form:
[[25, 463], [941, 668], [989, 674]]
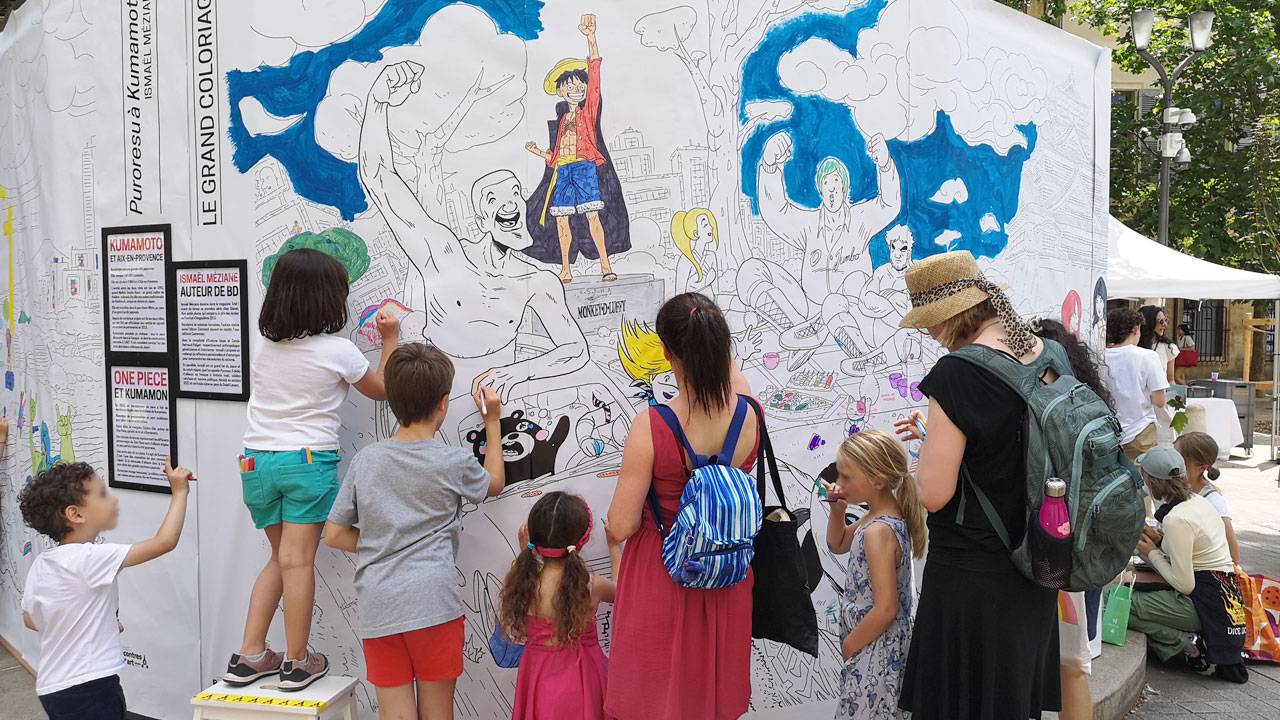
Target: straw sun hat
[[946, 285], [943, 286]]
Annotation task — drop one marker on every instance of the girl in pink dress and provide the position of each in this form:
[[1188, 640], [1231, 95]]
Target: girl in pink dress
[[679, 653], [549, 602]]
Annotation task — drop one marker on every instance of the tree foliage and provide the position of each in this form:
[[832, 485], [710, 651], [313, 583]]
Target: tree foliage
[[1051, 11], [1225, 206]]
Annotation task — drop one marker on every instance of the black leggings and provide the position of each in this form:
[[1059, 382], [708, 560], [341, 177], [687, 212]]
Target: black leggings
[[101, 699]]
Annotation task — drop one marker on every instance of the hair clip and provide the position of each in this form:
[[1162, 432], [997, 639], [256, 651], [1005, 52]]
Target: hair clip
[[572, 549], [530, 545], [693, 310]]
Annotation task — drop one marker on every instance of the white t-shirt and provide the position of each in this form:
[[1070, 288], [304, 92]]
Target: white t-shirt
[[298, 386], [1187, 342], [1132, 375], [1214, 497], [1166, 352], [72, 598]]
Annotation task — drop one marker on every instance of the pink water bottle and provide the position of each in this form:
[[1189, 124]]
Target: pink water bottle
[[1054, 517]]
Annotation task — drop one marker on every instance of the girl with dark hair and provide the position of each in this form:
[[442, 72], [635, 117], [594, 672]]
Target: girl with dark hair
[[548, 603], [1154, 323], [301, 371], [1100, 310], [1188, 357], [679, 652], [1083, 364]]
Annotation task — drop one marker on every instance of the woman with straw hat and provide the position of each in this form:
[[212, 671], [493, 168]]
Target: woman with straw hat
[[986, 639]]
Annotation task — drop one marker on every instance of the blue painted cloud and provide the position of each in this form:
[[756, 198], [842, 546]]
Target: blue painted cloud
[[297, 87]]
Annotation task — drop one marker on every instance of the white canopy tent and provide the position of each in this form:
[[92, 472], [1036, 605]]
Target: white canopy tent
[[1139, 267]]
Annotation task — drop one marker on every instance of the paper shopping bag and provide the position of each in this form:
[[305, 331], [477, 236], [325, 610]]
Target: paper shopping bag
[[1260, 642], [1115, 619]]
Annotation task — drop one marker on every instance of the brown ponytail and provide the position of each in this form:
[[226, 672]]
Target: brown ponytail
[[693, 330], [557, 521], [1201, 449]]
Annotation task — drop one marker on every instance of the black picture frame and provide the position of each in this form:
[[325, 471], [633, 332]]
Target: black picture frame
[[162, 486], [174, 340], [124, 357]]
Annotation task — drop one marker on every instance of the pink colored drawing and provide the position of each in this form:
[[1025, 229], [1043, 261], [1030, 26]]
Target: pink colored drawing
[[1071, 308], [367, 336]]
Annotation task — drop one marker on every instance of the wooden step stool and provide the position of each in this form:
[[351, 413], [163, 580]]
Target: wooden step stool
[[328, 698]]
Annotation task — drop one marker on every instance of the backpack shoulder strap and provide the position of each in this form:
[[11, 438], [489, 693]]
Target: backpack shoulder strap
[[731, 437], [987, 508], [673, 423], [1021, 378]]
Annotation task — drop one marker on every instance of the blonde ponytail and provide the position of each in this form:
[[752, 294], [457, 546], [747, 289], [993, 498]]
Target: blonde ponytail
[[913, 512]]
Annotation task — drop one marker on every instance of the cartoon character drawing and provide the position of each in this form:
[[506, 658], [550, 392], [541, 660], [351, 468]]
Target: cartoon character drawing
[[528, 450], [474, 293], [833, 237], [695, 236], [640, 352], [1071, 311], [864, 323], [1100, 313], [66, 454], [579, 180]]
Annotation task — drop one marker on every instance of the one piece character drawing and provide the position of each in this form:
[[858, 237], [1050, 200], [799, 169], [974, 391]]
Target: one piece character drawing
[[475, 293], [863, 319], [580, 181], [832, 238], [640, 352], [695, 236]]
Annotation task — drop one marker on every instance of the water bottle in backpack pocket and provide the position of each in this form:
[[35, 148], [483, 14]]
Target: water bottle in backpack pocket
[[1071, 436], [709, 542]]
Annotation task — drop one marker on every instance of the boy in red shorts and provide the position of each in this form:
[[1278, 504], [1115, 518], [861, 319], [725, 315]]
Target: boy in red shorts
[[399, 509]]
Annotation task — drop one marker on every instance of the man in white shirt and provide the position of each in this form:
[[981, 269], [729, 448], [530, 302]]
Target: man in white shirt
[[1136, 380]]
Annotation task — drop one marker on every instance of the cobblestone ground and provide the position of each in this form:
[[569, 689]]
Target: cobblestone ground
[[1250, 486]]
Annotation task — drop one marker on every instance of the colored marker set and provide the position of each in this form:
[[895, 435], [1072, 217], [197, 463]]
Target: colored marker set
[[306, 455], [246, 463]]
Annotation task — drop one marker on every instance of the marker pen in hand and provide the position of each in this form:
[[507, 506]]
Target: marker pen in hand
[[919, 426]]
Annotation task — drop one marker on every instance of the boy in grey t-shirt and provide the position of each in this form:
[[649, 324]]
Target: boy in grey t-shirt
[[399, 509]]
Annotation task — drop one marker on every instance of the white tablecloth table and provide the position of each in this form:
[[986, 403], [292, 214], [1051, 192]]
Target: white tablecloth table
[[1222, 422]]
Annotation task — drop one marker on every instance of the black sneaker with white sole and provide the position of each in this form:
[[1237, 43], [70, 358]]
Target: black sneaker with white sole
[[298, 674], [243, 671]]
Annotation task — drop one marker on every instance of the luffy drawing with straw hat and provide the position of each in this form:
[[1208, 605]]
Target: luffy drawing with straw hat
[[576, 152]]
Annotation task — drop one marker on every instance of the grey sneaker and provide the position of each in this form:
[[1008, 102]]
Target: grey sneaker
[[242, 671], [298, 674]]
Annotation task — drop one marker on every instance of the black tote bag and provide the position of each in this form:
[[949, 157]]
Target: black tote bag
[[781, 609]]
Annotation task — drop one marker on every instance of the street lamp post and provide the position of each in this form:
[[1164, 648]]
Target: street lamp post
[[1173, 121]]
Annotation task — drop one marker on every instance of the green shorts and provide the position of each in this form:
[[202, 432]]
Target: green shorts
[[282, 486]]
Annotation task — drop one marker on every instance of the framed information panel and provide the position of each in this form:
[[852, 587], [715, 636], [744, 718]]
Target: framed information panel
[[210, 311], [141, 430], [136, 264]]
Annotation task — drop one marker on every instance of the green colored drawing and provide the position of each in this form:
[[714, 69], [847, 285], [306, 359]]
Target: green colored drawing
[[347, 247], [66, 455], [24, 318]]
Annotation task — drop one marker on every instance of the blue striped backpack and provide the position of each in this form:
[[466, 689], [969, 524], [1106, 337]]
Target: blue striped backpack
[[709, 542]]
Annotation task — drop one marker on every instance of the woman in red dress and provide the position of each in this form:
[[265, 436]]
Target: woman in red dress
[[679, 653]]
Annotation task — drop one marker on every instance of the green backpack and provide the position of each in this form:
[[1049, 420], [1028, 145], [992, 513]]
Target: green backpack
[[1071, 435]]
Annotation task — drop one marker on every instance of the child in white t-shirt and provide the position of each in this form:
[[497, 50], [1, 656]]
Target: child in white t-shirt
[[301, 373], [71, 597]]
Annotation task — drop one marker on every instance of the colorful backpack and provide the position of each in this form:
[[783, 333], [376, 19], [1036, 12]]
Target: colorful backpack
[[709, 542]]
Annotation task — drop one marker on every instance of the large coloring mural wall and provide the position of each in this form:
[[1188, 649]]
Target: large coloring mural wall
[[525, 182]]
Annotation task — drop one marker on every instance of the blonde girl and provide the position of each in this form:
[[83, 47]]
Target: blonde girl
[[1200, 452], [879, 597], [698, 225]]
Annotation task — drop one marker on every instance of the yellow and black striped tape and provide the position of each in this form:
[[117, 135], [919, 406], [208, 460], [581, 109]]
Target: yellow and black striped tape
[[258, 700]]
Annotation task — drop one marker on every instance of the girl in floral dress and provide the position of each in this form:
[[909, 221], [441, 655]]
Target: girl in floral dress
[[879, 597]]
